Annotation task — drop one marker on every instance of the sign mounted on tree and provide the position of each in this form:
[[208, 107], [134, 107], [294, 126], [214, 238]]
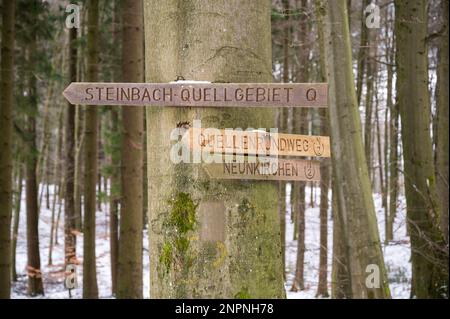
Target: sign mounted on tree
[[256, 143], [199, 94], [269, 169]]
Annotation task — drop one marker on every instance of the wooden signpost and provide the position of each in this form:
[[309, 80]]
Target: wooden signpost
[[199, 94], [256, 142], [275, 169], [205, 94]]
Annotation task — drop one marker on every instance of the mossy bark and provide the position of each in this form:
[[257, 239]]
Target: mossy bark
[[355, 208], [217, 41]]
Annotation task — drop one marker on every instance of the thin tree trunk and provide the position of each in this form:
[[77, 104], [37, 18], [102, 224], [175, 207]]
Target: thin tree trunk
[[58, 216], [35, 286], [52, 227], [370, 73], [15, 231], [79, 146], [322, 288], [70, 238], [6, 107], [355, 211], [393, 150], [341, 281], [301, 127], [57, 186], [129, 276], [114, 205], [115, 189], [362, 52], [90, 289]]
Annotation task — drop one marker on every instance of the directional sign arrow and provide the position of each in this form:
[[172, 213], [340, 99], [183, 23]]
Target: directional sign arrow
[[199, 94], [255, 143]]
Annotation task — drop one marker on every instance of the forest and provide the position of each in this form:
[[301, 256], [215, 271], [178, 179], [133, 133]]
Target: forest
[[94, 205]]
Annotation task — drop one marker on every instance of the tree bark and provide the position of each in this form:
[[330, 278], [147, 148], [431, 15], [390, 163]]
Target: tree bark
[[393, 186], [362, 52], [442, 149], [35, 286], [90, 289], [355, 209], [322, 288], [70, 238], [129, 276], [241, 256], [429, 252], [15, 231], [6, 107]]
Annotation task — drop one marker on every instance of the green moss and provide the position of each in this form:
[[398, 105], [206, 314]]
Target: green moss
[[165, 258], [181, 219], [243, 294], [182, 214], [245, 206], [181, 244]]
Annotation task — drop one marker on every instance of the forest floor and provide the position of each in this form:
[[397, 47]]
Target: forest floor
[[396, 254]]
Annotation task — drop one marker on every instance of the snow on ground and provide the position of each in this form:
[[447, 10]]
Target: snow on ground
[[54, 274], [396, 254]]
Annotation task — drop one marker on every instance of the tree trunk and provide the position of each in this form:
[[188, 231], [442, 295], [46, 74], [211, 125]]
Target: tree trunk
[[35, 286], [114, 193], [429, 253], [79, 143], [442, 149], [239, 253], [129, 276], [15, 231], [341, 281], [322, 288], [362, 52], [90, 289], [355, 209], [57, 186], [114, 204], [392, 162], [6, 107], [70, 238]]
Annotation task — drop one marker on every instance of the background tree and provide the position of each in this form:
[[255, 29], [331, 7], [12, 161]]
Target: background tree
[[355, 209], [90, 289], [429, 253], [7, 83], [69, 163], [130, 243], [442, 149]]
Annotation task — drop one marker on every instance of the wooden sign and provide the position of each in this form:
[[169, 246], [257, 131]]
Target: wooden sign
[[256, 143], [275, 169], [199, 94]]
